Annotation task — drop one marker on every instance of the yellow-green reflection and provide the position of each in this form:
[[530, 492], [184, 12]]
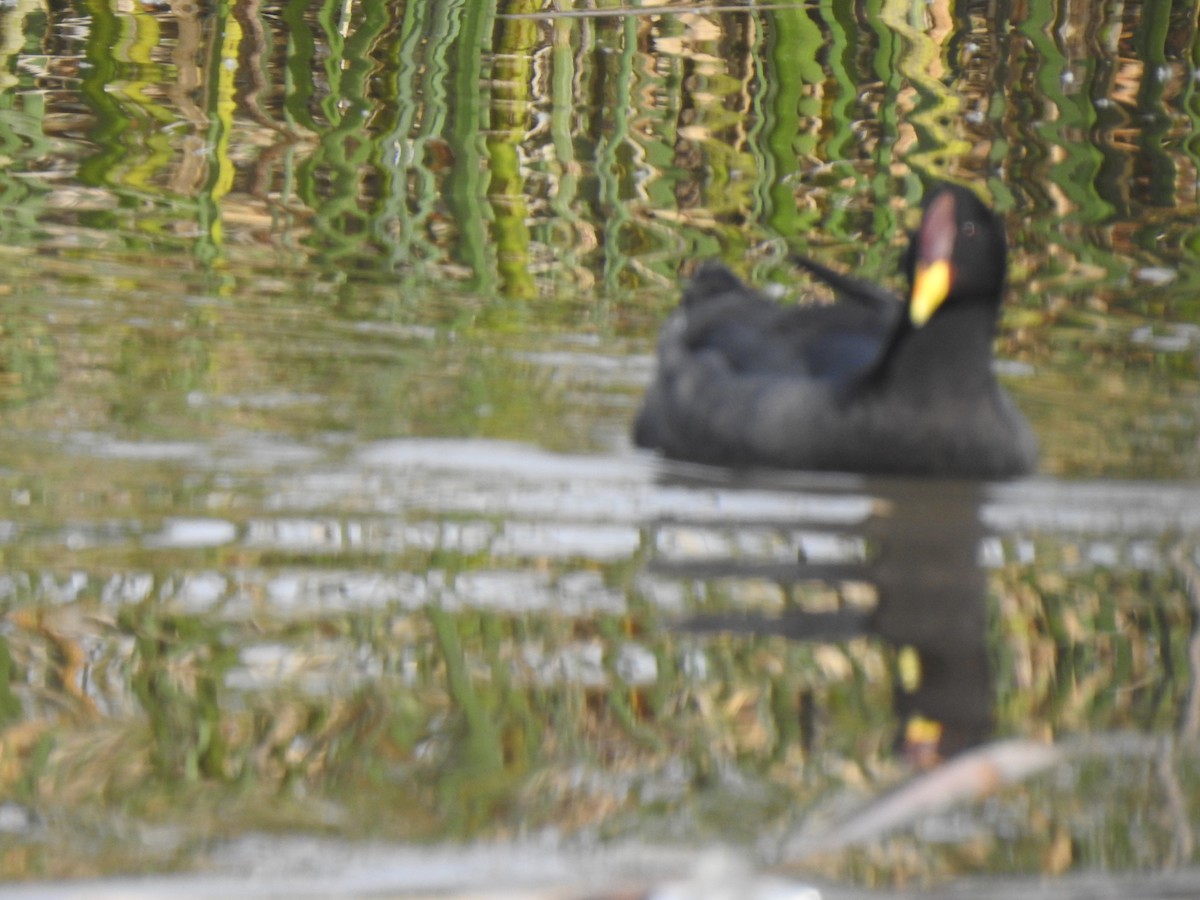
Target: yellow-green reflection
[[244, 244]]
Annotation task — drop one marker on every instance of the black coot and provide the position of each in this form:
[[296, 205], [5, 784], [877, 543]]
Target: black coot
[[865, 384]]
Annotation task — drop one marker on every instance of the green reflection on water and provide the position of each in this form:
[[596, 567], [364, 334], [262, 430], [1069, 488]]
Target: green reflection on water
[[326, 223]]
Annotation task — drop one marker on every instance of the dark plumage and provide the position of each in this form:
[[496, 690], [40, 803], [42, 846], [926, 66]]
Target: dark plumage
[[865, 384]]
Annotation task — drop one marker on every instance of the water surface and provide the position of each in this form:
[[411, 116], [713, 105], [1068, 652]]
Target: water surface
[[324, 326]]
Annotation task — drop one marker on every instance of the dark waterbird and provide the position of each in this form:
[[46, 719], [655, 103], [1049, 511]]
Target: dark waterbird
[[869, 383]]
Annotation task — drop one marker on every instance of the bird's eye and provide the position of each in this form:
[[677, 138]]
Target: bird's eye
[[969, 229]]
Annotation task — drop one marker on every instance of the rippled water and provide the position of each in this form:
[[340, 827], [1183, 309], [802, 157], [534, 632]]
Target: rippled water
[[323, 329]]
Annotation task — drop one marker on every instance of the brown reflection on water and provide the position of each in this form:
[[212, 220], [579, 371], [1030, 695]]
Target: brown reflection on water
[[430, 640], [1096, 629]]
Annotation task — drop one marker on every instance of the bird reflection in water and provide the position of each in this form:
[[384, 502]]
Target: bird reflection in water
[[924, 564]]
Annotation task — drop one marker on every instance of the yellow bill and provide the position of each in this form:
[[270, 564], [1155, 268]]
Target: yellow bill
[[931, 285]]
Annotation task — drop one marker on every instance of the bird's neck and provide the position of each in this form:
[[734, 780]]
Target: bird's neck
[[945, 357]]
